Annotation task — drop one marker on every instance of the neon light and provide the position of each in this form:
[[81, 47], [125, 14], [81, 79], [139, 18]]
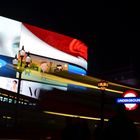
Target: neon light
[[128, 100], [79, 48], [76, 70], [130, 93]]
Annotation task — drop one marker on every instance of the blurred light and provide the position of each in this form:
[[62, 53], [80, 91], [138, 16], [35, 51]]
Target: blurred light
[[102, 84], [2, 63], [130, 106], [75, 116], [7, 117]]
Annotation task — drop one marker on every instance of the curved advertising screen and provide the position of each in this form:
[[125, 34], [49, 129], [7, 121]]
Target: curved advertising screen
[[45, 52]]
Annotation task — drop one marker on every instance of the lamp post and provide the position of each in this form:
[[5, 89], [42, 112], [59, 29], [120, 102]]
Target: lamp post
[[102, 86], [20, 69], [21, 55]]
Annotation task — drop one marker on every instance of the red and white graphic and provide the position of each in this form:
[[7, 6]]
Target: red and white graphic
[[130, 106], [53, 45], [41, 42], [64, 43]]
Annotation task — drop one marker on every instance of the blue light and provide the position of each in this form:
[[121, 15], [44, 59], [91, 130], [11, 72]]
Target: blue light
[[128, 100], [76, 70], [2, 63]]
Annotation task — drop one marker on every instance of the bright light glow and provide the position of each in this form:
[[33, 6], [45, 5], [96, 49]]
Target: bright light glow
[[14, 33], [128, 100], [130, 106], [76, 70], [7, 117], [2, 63], [75, 116], [65, 65], [69, 81], [9, 36]]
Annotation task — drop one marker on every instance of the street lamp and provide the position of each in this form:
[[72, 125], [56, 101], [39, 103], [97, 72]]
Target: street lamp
[[20, 59], [22, 55], [102, 86]]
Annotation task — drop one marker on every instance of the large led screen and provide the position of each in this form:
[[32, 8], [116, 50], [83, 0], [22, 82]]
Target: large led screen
[[49, 52], [8, 84], [33, 89], [40, 67], [53, 45], [10, 31]]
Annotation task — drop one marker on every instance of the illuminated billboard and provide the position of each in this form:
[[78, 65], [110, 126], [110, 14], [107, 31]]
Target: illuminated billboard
[[49, 52]]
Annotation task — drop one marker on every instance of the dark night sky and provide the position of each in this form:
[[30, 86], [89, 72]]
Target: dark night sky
[[110, 29]]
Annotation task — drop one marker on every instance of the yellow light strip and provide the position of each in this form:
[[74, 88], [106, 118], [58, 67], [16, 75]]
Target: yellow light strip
[[75, 116], [116, 91], [118, 85], [114, 84], [94, 87], [95, 80], [69, 81]]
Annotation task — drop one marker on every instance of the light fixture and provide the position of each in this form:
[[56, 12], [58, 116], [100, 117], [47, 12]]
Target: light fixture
[[102, 85]]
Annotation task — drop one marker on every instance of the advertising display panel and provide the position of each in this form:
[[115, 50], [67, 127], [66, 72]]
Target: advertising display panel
[[29, 55], [33, 89], [40, 67], [53, 45], [8, 84]]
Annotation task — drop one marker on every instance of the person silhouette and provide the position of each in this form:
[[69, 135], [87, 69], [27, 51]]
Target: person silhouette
[[120, 127]]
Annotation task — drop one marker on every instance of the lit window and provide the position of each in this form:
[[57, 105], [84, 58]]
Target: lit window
[[1, 98], [10, 100], [5, 99]]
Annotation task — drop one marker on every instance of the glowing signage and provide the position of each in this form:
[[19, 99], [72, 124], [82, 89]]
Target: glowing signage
[[64, 43], [130, 100], [41, 42], [50, 52], [36, 41]]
